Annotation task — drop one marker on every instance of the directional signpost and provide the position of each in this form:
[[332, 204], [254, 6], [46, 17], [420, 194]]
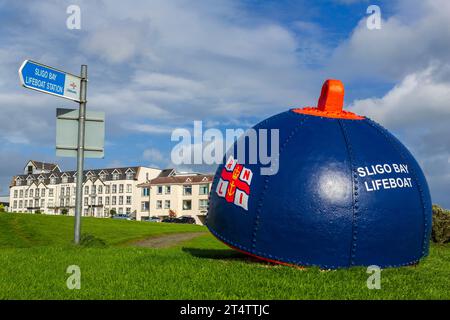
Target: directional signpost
[[39, 77], [36, 76]]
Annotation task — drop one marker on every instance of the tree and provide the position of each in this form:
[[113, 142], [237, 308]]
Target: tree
[[64, 211], [2, 207], [37, 211], [172, 214]]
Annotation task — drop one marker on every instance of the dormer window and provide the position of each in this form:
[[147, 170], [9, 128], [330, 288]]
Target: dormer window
[[18, 182], [130, 175], [52, 180], [64, 179], [115, 176], [102, 176], [30, 169]]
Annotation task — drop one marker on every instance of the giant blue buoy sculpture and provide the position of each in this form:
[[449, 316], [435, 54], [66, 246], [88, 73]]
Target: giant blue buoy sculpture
[[347, 193]]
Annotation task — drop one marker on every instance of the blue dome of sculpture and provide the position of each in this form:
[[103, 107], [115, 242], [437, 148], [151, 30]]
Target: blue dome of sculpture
[[346, 193]]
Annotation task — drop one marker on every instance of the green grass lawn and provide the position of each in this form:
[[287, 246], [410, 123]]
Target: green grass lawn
[[35, 251]]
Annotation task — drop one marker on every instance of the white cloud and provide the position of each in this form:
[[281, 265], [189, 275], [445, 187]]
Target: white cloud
[[147, 128], [153, 155]]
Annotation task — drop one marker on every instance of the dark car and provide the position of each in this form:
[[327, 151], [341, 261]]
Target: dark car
[[170, 220], [186, 219]]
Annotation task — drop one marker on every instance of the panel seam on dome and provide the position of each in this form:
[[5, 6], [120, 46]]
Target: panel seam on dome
[[378, 127], [266, 183], [355, 207]]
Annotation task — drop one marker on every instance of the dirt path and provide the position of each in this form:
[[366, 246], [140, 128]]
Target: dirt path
[[167, 240]]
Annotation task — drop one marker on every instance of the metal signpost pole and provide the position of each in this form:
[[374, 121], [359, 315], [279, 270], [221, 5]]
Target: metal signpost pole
[[80, 154]]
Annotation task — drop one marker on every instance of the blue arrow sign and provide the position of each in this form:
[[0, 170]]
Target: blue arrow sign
[[49, 80]]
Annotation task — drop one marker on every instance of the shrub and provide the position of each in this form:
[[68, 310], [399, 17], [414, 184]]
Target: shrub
[[37, 211], [440, 232], [64, 212], [112, 212], [2, 207], [89, 240]]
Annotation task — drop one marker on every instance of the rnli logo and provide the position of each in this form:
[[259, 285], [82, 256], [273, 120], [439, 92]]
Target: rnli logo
[[234, 183]]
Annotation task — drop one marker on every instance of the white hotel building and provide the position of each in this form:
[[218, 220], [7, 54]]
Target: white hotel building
[[44, 188]]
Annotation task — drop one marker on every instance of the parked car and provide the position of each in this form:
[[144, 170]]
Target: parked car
[[170, 220], [151, 219], [121, 216], [186, 219]]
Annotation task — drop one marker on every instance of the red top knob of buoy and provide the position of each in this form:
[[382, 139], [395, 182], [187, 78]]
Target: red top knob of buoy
[[331, 103]]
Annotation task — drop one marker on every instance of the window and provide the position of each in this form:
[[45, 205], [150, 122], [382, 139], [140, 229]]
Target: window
[[65, 179], [120, 188], [129, 188], [15, 204], [187, 190], [114, 200], [50, 192], [100, 189], [18, 182], [203, 204], [62, 192], [68, 191], [204, 189], [52, 180], [145, 192], [42, 203], [121, 200], [86, 201], [102, 176], [26, 193], [130, 175], [100, 201], [61, 202], [30, 169], [94, 189], [15, 193], [114, 188], [20, 204], [159, 204], [145, 206], [120, 210], [107, 201], [26, 203], [115, 176], [86, 211], [159, 190], [128, 210], [128, 200], [37, 192], [167, 189], [43, 192], [86, 190], [31, 193], [167, 204], [36, 203], [21, 194], [187, 204], [107, 189]]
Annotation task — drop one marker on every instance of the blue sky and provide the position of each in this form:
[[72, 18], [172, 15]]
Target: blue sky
[[158, 65]]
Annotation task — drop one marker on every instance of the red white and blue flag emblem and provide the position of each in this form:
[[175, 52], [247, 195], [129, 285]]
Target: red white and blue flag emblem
[[234, 183]]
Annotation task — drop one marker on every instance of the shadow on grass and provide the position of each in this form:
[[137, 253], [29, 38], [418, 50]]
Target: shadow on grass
[[223, 254]]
